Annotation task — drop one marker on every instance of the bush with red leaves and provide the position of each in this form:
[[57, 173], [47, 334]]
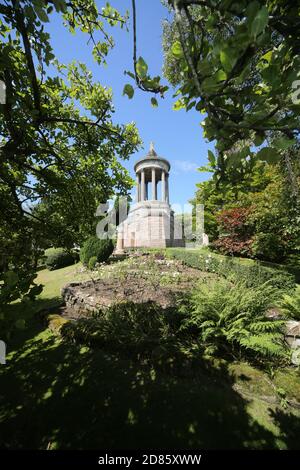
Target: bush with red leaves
[[235, 232]]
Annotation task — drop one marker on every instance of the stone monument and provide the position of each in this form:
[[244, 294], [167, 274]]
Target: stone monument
[[150, 222]]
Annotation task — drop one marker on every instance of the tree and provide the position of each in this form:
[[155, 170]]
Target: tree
[[235, 232], [217, 194], [59, 145], [237, 63], [265, 201]]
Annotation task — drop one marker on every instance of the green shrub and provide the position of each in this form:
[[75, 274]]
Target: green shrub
[[268, 246], [253, 274], [57, 258], [128, 327], [92, 262], [290, 306], [94, 247], [231, 319]]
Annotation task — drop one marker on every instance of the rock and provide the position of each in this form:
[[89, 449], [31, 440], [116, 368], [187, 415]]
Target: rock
[[274, 313], [295, 359], [292, 333], [129, 283]]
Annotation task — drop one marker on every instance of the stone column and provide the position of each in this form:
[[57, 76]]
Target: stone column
[[167, 188], [143, 186], [163, 186], [120, 242], [138, 189], [154, 195]]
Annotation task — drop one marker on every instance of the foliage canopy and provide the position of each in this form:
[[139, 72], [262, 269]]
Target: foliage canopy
[[61, 152]]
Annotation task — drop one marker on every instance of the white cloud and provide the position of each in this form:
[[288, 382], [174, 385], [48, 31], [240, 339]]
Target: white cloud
[[185, 165]]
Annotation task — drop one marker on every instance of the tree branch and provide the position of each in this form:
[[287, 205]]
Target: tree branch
[[80, 122], [186, 53], [138, 80], [19, 16]]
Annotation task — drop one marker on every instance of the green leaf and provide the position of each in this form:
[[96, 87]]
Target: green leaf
[[60, 5], [11, 278], [260, 21], [210, 84], [205, 67], [269, 155], [179, 104], [191, 105], [259, 139], [154, 102], [151, 83], [41, 14], [211, 158], [35, 290], [177, 50], [228, 59], [141, 68], [252, 10], [283, 143], [131, 75], [204, 169], [210, 22], [220, 76], [199, 107], [128, 90], [164, 89], [268, 56]]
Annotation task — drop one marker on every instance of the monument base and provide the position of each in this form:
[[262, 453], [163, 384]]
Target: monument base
[[150, 224]]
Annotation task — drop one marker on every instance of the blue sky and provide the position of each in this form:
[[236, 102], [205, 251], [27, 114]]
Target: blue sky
[[177, 135]]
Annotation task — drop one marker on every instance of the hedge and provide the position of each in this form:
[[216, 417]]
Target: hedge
[[253, 274], [93, 247], [59, 258]]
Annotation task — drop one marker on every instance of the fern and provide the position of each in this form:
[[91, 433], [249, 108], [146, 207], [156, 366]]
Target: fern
[[267, 345], [290, 306], [232, 318]]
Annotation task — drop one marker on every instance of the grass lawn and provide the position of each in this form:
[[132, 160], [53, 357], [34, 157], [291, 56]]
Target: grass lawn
[[53, 281], [59, 395]]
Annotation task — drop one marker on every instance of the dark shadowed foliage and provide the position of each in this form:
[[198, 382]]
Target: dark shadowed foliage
[[60, 395]]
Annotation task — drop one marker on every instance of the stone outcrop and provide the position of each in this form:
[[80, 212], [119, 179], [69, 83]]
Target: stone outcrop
[[146, 279], [292, 334]]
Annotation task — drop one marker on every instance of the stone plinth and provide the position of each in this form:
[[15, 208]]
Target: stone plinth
[[149, 224]]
